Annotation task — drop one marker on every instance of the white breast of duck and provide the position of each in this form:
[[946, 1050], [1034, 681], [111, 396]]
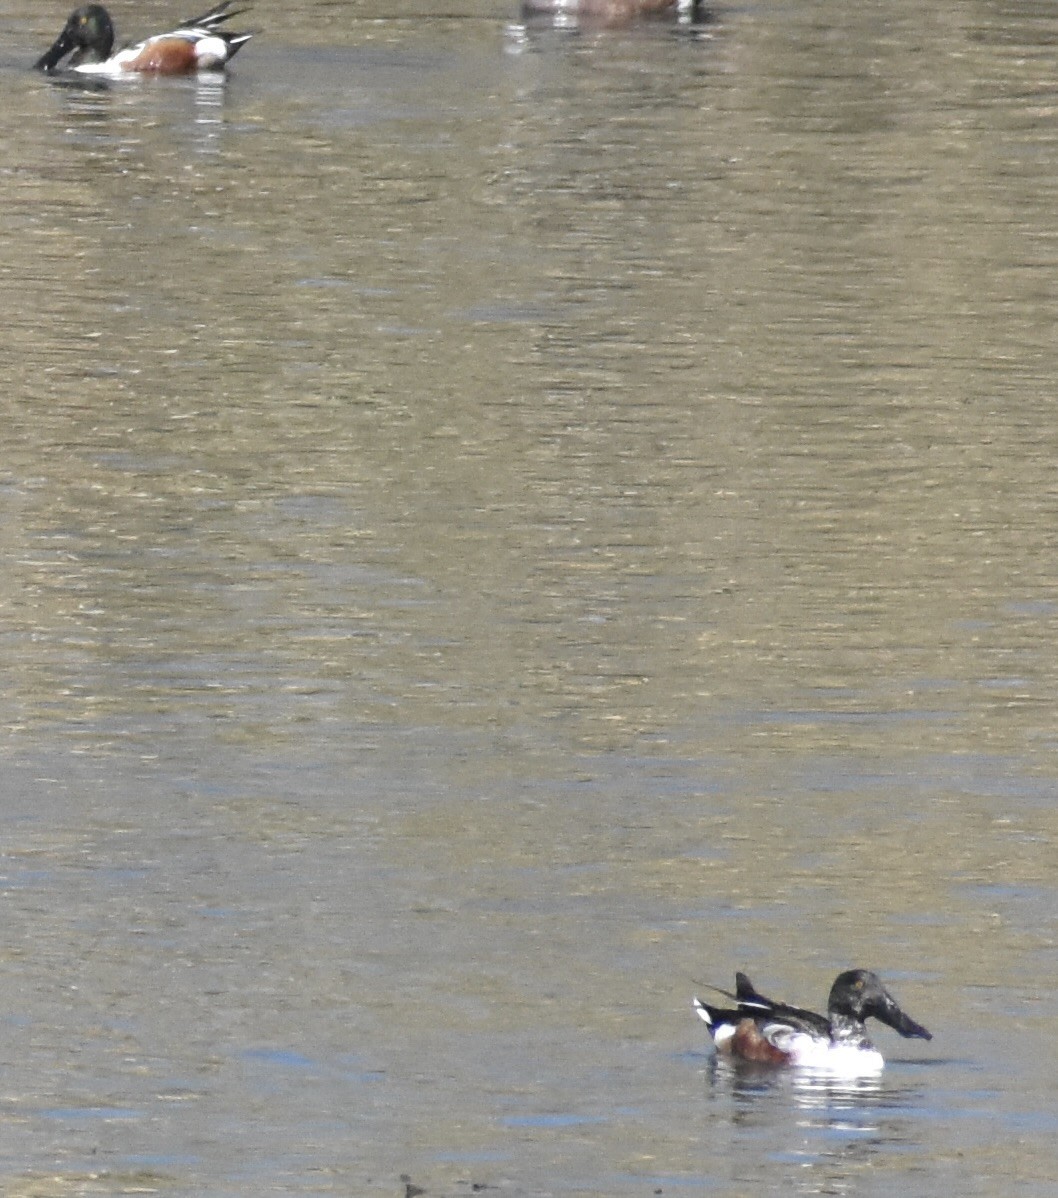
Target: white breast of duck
[[851, 1055]]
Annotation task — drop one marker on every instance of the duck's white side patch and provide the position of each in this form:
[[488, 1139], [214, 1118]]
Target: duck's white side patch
[[211, 52], [721, 1032]]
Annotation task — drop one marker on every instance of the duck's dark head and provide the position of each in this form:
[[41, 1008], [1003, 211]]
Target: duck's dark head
[[89, 34], [859, 994]]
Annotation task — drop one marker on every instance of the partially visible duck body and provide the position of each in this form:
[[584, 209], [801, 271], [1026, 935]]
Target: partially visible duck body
[[602, 12]]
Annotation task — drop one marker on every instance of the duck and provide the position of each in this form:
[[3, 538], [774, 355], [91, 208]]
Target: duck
[[765, 1032], [198, 45]]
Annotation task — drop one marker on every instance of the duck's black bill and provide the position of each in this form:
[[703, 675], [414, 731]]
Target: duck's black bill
[[49, 60], [899, 1022]]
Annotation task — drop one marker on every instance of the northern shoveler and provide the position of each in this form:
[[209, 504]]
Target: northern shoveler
[[199, 45], [773, 1033]]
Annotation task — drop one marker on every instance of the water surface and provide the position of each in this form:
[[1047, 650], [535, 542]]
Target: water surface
[[502, 526]]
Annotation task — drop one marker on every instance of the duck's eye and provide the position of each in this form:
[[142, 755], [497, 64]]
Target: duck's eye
[[858, 985]]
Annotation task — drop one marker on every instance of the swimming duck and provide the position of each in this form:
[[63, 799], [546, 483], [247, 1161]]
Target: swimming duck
[[767, 1032], [198, 45]]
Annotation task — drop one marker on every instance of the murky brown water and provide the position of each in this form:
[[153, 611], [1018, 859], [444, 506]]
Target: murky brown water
[[500, 526]]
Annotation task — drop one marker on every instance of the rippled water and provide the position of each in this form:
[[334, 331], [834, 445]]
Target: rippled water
[[503, 526]]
